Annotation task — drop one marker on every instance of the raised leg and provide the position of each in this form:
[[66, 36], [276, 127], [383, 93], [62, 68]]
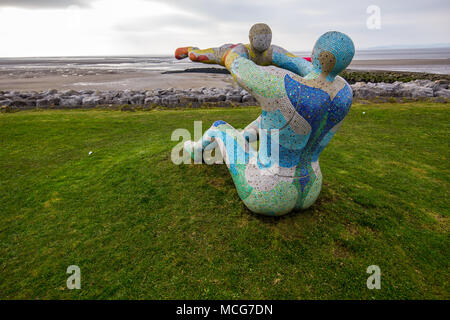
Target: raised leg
[[233, 144]]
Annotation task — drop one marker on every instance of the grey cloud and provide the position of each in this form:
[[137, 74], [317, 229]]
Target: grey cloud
[[158, 22], [301, 10], [296, 24], [36, 4], [229, 11], [305, 17]]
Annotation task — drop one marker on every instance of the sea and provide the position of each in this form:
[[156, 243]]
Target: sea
[[431, 60]]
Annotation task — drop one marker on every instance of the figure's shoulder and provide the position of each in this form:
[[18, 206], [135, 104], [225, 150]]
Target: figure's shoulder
[[341, 81], [277, 49], [246, 47], [233, 52], [260, 58], [239, 48], [345, 87], [280, 55], [344, 93]]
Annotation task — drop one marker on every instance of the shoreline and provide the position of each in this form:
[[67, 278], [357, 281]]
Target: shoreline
[[41, 77], [179, 79], [192, 87]]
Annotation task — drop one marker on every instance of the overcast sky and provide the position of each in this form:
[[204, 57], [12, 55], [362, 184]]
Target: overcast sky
[[138, 27]]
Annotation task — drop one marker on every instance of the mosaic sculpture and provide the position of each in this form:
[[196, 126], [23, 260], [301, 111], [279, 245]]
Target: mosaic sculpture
[[259, 50], [300, 115]]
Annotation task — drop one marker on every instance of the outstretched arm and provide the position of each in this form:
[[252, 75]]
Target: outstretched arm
[[210, 56], [261, 82], [286, 60]]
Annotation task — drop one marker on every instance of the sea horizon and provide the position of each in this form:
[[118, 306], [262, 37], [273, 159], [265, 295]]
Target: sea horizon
[[431, 60]]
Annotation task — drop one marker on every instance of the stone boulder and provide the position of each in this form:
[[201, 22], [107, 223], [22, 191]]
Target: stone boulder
[[137, 99], [445, 93], [71, 101], [152, 100], [92, 101], [5, 103]]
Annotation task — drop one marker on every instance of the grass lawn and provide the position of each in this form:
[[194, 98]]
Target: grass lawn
[[140, 227]]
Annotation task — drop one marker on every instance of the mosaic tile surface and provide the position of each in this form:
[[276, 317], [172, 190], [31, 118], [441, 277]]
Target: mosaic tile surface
[[303, 106]]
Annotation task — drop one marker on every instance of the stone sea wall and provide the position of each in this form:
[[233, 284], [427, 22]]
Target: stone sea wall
[[225, 97], [220, 97], [412, 89]]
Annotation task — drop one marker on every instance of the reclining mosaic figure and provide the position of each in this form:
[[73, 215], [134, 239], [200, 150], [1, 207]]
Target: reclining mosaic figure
[[303, 113]]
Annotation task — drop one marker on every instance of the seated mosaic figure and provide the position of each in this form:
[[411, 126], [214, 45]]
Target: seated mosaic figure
[[259, 50], [300, 115]]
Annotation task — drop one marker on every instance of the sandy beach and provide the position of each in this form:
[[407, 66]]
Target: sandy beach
[[117, 81], [94, 79]]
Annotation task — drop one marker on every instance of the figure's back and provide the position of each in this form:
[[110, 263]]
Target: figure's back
[[304, 131], [323, 110]]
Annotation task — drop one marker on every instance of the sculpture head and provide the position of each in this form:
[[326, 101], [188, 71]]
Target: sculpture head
[[260, 37], [332, 53]]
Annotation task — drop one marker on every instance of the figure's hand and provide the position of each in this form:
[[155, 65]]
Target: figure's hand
[[211, 55], [183, 52]]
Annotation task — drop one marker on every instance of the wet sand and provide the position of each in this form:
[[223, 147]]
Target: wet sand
[[118, 81], [438, 66], [93, 79]]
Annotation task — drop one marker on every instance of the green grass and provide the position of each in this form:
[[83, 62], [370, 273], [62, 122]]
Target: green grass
[[140, 227]]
